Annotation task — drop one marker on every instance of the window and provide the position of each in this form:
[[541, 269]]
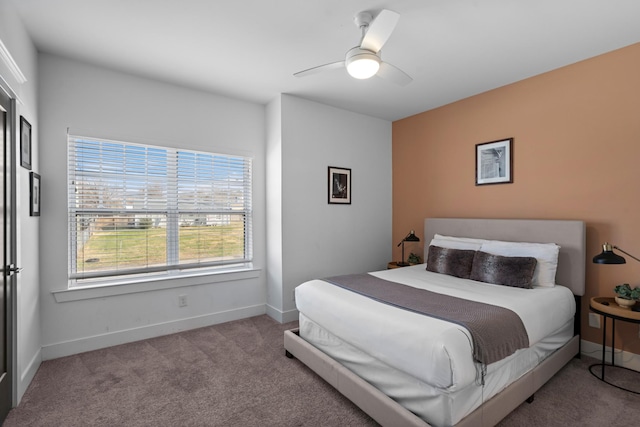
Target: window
[[140, 209]]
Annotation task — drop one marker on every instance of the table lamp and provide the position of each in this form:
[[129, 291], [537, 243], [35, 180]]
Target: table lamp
[[411, 237], [609, 257]]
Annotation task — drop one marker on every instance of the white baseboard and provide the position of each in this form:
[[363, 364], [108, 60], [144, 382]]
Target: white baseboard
[[67, 348], [622, 358], [27, 375], [282, 316]]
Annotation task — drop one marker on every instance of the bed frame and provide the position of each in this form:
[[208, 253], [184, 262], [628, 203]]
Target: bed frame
[[570, 235]]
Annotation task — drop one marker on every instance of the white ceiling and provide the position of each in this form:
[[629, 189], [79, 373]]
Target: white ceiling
[[249, 49]]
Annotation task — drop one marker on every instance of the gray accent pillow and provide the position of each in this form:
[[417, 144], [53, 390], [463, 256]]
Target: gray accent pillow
[[503, 270], [453, 262]]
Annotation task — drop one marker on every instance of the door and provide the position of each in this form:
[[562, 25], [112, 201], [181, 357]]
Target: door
[[7, 251]]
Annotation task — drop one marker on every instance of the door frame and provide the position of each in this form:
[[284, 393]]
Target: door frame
[[11, 249]]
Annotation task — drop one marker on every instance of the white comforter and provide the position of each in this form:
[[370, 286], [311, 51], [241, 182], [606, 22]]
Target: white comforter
[[434, 351]]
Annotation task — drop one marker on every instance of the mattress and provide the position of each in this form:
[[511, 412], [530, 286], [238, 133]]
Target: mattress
[[439, 408], [424, 363]]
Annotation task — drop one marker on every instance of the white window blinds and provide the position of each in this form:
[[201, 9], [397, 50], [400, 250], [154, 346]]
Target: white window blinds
[[136, 209]]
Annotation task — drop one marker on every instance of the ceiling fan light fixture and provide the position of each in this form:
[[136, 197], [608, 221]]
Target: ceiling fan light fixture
[[361, 63]]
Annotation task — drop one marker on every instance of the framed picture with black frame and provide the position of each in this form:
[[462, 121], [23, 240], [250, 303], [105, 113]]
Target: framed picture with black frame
[[25, 143], [494, 162], [339, 186], [34, 205]]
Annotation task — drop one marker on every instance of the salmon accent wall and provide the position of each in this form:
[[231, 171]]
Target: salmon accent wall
[[576, 155]]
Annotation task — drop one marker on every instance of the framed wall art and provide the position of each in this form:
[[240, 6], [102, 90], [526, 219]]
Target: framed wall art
[[339, 186], [494, 162], [34, 206], [25, 143]]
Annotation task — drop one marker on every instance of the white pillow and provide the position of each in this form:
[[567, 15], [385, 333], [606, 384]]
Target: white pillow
[[457, 242], [546, 255]]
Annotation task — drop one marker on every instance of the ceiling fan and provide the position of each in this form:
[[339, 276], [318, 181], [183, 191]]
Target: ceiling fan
[[363, 62]]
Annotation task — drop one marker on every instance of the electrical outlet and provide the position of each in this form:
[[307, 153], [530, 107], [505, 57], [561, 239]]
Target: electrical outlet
[[594, 320], [182, 300]]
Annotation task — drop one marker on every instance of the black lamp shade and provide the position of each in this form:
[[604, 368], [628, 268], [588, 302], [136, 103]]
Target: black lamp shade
[[411, 237], [608, 256]]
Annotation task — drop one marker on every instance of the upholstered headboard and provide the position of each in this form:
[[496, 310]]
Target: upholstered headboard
[[570, 235]]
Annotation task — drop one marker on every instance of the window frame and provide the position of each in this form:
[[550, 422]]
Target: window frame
[[172, 268]]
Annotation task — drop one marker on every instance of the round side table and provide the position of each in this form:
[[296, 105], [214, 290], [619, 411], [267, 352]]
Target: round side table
[[609, 309]]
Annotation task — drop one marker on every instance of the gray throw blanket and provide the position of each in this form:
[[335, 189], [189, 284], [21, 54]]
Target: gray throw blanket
[[496, 332]]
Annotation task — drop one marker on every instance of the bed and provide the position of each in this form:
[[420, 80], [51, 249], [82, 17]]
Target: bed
[[404, 368]]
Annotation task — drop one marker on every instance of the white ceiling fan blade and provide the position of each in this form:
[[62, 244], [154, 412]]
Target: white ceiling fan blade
[[380, 30], [319, 69], [394, 74]]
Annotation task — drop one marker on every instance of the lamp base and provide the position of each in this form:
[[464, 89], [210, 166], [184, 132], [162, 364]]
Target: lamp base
[[403, 264]]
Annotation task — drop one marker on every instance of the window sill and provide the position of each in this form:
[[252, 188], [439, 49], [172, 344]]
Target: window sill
[[153, 284]]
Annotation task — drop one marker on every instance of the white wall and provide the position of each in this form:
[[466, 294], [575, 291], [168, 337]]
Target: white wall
[[92, 101], [27, 302], [319, 239], [274, 209]]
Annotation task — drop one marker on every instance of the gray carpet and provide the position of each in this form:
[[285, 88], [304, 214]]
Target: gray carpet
[[236, 374]]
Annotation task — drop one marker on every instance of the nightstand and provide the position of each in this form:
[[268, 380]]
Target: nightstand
[[395, 264], [608, 308]]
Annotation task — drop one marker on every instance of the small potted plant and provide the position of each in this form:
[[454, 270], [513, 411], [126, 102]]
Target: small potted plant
[[413, 259], [625, 296]]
